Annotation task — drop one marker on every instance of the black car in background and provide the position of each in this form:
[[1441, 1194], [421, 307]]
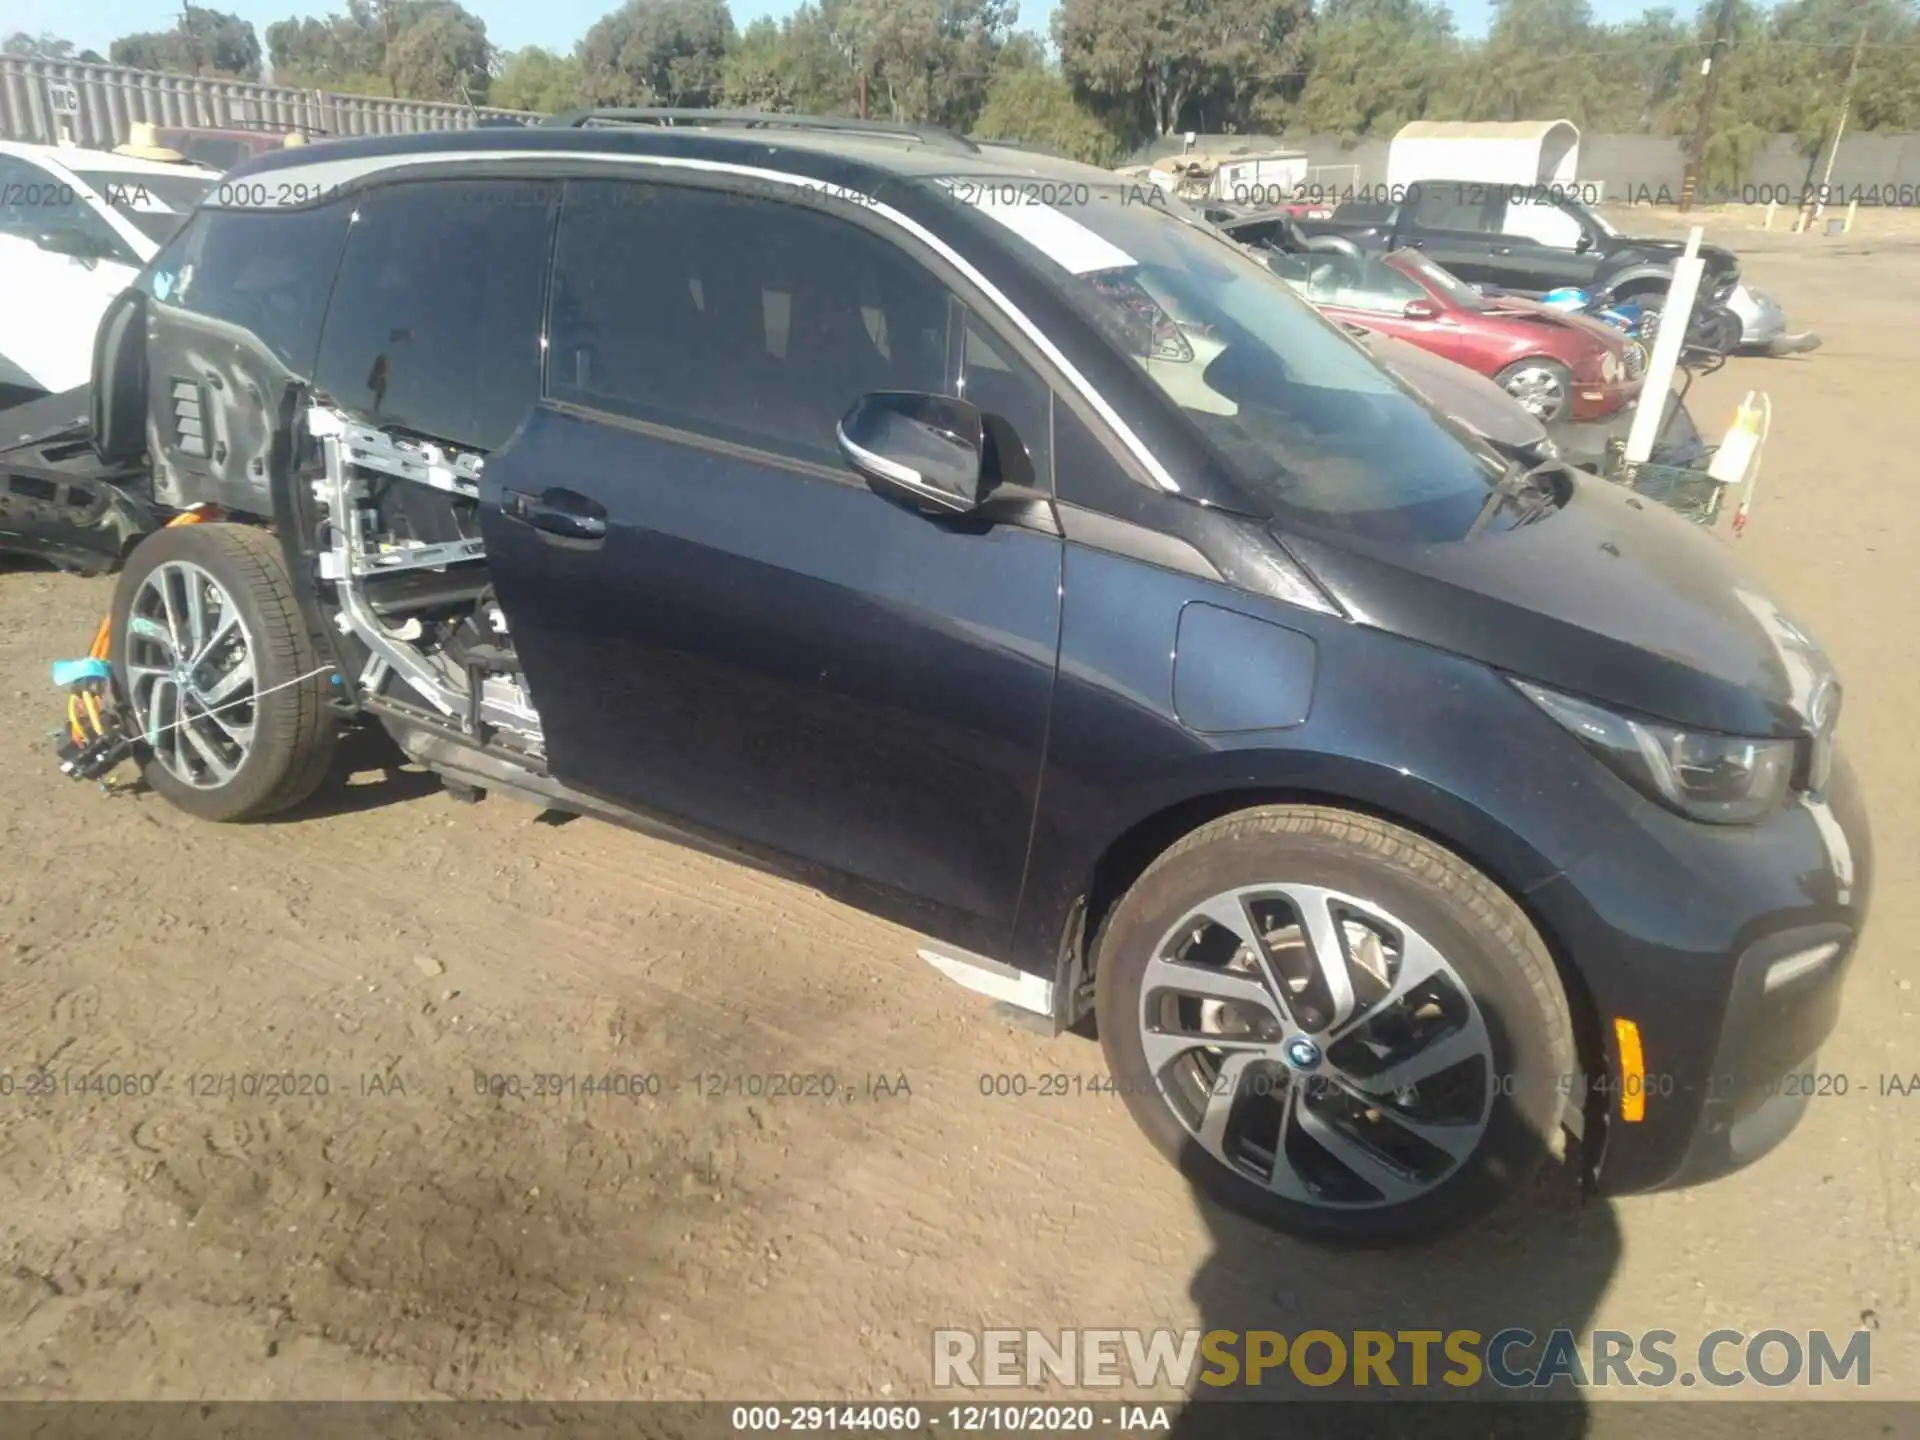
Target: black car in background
[[1015, 556], [1523, 239]]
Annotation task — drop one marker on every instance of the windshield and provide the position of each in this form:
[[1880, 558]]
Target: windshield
[[158, 205], [1308, 421], [1443, 281]]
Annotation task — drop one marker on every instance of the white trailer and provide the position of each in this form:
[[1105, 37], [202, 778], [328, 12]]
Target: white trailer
[[1529, 152]]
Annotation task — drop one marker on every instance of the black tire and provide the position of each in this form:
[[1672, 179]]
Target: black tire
[[294, 730], [1483, 934], [1552, 370]]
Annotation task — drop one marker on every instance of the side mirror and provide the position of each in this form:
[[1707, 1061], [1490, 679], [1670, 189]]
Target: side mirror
[[75, 244], [929, 449], [1584, 243], [1421, 310]]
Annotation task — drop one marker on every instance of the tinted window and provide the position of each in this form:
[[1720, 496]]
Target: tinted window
[[264, 271], [747, 318], [34, 202], [1313, 427], [1444, 205], [435, 321]]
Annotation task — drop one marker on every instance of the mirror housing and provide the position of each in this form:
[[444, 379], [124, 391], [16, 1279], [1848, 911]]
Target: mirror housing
[[928, 449], [1421, 310], [75, 244], [1585, 243]]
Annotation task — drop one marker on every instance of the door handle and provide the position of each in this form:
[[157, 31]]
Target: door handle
[[1502, 250], [563, 514]]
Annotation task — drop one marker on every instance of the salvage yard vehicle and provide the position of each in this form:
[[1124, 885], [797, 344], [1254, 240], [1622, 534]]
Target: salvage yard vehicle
[[1017, 558], [75, 228], [1559, 366], [1528, 240]]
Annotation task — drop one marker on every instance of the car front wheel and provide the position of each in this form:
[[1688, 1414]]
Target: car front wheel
[[1543, 386], [1334, 1025]]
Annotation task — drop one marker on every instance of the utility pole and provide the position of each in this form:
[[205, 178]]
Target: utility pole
[[1840, 127], [1703, 125]]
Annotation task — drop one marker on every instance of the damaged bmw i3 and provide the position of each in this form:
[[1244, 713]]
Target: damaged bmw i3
[[996, 544]]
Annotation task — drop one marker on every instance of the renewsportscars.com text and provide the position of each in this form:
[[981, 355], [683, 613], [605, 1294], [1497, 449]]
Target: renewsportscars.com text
[[1396, 1359]]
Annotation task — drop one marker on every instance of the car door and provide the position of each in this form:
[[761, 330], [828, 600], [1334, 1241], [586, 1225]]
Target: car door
[[1540, 246], [718, 620], [1455, 223], [51, 298]]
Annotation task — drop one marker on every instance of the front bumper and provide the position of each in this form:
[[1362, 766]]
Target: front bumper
[[1597, 399], [1763, 325], [1727, 1063]]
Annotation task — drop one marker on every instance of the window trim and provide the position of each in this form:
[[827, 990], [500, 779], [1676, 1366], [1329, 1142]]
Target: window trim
[[336, 176]]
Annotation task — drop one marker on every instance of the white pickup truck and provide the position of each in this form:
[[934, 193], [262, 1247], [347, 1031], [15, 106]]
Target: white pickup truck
[[75, 227]]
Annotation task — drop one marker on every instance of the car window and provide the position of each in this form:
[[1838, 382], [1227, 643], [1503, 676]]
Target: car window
[[264, 271], [35, 202], [745, 317], [434, 326], [1444, 281], [1315, 429], [1444, 205], [1541, 221], [1364, 283]]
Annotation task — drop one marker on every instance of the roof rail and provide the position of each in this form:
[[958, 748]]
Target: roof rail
[[762, 119]]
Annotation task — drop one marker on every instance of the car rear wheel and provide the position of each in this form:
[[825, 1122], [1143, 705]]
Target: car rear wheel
[[226, 690], [1543, 386], [1334, 1025]]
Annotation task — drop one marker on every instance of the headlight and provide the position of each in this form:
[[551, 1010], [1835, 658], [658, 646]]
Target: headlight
[[1609, 367], [1721, 779]]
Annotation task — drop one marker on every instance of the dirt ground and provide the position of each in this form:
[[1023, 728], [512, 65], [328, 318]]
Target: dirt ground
[[410, 1234]]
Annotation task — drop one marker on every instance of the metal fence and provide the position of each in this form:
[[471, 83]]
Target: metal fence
[[45, 101]]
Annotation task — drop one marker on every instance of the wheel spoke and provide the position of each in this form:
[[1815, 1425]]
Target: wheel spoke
[[1392, 1184], [1419, 963], [229, 685], [143, 628], [1230, 913], [229, 618], [1328, 948], [1454, 1048], [196, 607], [1222, 1096], [209, 752], [1163, 1047], [1213, 982], [166, 575], [1283, 1179]]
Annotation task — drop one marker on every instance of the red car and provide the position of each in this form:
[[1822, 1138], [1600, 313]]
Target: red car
[[1561, 367]]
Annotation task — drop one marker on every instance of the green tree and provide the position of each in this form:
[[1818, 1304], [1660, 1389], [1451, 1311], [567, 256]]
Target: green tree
[[205, 42], [1156, 66], [538, 80], [657, 52], [1374, 65], [1033, 106]]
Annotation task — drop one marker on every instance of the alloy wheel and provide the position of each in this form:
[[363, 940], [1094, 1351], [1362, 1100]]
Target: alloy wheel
[[1540, 390], [1317, 1045], [190, 674]]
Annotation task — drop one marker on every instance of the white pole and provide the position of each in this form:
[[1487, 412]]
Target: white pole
[[1674, 319], [1772, 205]]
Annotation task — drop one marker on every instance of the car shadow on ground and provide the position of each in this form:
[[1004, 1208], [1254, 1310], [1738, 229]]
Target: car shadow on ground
[[369, 770], [1539, 1264]]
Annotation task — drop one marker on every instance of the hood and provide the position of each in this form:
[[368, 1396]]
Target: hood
[[1611, 597], [1456, 391], [1622, 250], [1517, 306]]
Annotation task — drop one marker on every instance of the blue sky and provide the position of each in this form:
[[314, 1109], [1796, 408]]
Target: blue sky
[[554, 23]]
